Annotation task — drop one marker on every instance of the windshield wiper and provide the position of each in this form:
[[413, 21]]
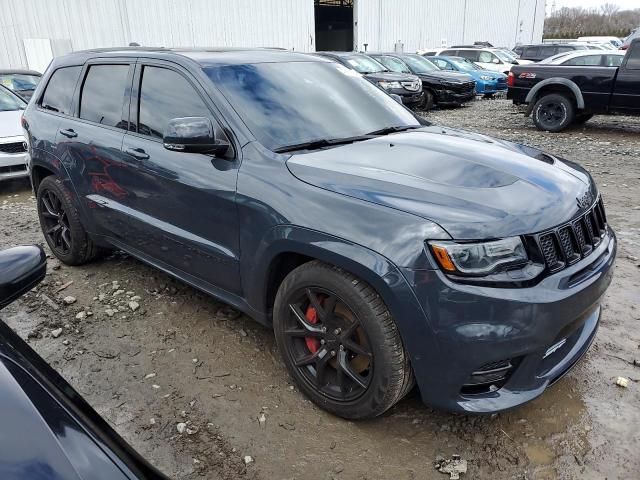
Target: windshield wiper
[[399, 128], [322, 142]]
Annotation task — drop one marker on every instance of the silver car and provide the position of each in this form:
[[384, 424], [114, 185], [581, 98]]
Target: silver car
[[13, 147]]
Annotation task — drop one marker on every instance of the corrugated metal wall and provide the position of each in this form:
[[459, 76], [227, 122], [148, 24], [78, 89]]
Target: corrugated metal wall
[[276, 23], [430, 23], [169, 23]]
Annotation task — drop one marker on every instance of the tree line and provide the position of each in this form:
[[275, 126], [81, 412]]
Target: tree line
[[607, 20]]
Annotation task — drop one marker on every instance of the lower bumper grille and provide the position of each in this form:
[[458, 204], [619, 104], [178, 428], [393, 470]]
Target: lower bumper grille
[[489, 377]]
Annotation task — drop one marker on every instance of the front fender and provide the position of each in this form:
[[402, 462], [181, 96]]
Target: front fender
[[378, 271]]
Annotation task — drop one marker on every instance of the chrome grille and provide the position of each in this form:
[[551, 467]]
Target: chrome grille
[[568, 243]]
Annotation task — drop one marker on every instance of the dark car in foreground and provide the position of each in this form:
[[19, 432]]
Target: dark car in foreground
[[440, 88], [408, 87], [558, 96], [48, 430], [21, 82], [381, 249]]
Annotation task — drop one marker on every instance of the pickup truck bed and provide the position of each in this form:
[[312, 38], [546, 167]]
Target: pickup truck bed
[[558, 96]]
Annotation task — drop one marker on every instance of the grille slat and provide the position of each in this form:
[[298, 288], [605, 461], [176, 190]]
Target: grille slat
[[569, 243], [13, 147]]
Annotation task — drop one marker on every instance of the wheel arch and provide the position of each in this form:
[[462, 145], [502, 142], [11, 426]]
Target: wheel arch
[[287, 247], [38, 173], [555, 85]]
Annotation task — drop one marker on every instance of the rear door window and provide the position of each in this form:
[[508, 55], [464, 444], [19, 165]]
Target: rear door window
[[564, 49], [546, 52], [470, 54], [530, 52], [59, 91], [103, 95], [588, 60], [166, 94], [450, 53]]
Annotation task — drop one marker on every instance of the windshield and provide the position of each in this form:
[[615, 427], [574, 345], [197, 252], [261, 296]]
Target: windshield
[[465, 64], [393, 64], [419, 64], [9, 101], [364, 64], [502, 56], [286, 104], [19, 81]]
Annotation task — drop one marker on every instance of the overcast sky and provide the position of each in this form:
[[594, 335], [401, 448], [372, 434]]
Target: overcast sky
[[623, 4]]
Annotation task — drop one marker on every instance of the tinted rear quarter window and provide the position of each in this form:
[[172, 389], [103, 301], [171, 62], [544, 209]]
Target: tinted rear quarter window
[[546, 52], [565, 49], [59, 91], [165, 94], [102, 96], [633, 61]]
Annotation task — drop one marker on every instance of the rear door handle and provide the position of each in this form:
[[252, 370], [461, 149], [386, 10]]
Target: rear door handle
[[138, 153], [69, 133]]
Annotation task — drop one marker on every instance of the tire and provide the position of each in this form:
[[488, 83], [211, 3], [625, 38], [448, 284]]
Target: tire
[[360, 324], [582, 118], [429, 100], [61, 226], [489, 95], [553, 112]]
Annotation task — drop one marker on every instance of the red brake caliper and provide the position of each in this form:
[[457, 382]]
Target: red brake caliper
[[313, 344]]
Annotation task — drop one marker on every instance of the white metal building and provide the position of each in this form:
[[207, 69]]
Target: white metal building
[[32, 31]]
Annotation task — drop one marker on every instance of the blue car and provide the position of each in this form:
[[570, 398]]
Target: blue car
[[488, 83]]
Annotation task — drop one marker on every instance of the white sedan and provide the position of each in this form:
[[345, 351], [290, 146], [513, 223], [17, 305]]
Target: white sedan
[[586, 58], [13, 148]]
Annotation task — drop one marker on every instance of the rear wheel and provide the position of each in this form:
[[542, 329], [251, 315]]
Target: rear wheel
[[553, 112], [339, 342], [61, 225]]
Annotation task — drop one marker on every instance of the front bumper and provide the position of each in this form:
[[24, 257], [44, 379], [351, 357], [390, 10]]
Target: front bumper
[[451, 96], [543, 330], [12, 165], [410, 99]]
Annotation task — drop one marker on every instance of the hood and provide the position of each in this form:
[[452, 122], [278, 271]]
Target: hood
[[10, 125], [447, 76], [390, 77], [473, 186]]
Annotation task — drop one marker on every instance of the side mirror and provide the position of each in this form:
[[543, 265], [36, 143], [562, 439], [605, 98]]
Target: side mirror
[[496, 61], [396, 97], [21, 269], [193, 134]]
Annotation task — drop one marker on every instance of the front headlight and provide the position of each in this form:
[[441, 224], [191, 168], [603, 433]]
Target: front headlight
[[486, 78], [389, 85], [478, 258]]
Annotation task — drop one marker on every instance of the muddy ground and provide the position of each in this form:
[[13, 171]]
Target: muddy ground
[[182, 357]]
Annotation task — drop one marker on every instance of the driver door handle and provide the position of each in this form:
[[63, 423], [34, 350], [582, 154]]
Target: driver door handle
[[138, 153], [69, 133]]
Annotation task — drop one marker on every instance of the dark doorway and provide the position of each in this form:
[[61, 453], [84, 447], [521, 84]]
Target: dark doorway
[[334, 25]]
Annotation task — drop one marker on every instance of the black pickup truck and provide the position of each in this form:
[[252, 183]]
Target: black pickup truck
[[558, 96]]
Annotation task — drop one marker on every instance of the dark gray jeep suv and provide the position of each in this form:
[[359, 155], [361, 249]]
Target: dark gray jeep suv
[[382, 250]]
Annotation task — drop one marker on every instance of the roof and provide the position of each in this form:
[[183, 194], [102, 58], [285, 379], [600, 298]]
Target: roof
[[9, 71], [207, 56], [341, 54]]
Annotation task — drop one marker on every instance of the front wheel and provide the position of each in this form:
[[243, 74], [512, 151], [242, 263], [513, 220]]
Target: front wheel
[[339, 342], [553, 112], [429, 100]]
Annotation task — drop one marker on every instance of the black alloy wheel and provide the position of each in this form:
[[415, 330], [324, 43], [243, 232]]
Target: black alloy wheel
[[61, 225], [339, 342], [55, 223], [328, 345]]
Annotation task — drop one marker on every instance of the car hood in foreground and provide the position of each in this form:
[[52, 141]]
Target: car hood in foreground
[[473, 186], [10, 123]]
